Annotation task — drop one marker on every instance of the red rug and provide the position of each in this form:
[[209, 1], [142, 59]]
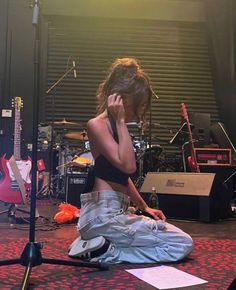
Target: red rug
[[211, 260]]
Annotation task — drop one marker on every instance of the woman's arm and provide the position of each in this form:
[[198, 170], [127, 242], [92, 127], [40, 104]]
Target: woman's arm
[[121, 154], [141, 204]]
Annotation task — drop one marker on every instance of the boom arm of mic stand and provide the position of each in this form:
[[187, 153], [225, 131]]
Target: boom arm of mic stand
[[177, 133], [228, 178], [60, 79]]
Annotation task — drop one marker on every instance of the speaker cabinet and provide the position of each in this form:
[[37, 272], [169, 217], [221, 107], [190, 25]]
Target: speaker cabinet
[[193, 196], [74, 186], [201, 129]]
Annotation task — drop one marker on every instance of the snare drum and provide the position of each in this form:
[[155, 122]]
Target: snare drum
[[87, 155]]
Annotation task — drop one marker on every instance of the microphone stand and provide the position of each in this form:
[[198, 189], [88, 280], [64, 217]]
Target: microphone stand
[[57, 179], [174, 140], [60, 79], [31, 255], [177, 133]]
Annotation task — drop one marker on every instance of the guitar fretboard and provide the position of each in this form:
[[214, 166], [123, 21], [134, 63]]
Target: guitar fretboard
[[17, 136]]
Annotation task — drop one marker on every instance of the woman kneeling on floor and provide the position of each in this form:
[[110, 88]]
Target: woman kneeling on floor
[[107, 232]]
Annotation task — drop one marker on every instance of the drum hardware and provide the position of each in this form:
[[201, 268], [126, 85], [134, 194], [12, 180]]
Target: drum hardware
[[53, 188], [157, 125], [132, 124], [148, 159], [152, 158], [140, 146], [147, 155], [82, 136], [63, 165]]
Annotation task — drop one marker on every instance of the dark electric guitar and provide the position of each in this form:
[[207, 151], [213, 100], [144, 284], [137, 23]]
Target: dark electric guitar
[[10, 189], [192, 160]]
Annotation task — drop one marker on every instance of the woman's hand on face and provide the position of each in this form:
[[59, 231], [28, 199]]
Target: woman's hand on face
[[156, 213], [116, 107]]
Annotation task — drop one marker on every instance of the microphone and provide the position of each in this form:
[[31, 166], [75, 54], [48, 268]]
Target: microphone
[[74, 69], [35, 15]]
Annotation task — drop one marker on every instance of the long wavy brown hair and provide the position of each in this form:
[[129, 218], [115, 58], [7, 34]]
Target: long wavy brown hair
[[126, 78]]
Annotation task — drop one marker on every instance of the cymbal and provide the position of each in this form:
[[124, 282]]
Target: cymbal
[[66, 123], [82, 136]]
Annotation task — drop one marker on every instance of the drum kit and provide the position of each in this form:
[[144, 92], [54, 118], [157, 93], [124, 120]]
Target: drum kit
[[73, 148], [71, 154]]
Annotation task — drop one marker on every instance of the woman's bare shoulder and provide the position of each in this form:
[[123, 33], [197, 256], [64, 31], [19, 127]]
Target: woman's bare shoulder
[[97, 124]]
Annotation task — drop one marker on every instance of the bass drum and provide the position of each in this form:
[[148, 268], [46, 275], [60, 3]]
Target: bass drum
[[152, 159]]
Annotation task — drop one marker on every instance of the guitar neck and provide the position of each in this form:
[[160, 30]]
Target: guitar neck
[[17, 136], [190, 135], [193, 154]]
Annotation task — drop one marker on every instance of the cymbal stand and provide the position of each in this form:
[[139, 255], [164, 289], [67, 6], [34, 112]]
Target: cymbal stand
[[140, 158], [183, 155], [53, 179]]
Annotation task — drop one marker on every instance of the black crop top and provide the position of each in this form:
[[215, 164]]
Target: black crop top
[[104, 169]]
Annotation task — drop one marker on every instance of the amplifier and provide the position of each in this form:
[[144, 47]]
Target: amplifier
[[74, 187], [213, 156]]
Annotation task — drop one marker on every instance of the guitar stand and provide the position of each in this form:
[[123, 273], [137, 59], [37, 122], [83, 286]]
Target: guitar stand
[[13, 218], [8, 211], [31, 255], [183, 155], [11, 212]]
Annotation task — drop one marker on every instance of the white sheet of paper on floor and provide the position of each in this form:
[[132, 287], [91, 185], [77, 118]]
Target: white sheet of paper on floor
[[166, 277]]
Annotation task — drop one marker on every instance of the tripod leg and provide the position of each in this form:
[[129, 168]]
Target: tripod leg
[[10, 262], [25, 281], [102, 266], [30, 257]]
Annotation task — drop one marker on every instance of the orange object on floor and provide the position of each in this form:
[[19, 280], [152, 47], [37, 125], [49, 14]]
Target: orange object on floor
[[67, 213]]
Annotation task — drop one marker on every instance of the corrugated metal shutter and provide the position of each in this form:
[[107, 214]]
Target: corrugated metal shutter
[[175, 54]]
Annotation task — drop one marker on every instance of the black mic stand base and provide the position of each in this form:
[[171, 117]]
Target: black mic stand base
[[31, 257]]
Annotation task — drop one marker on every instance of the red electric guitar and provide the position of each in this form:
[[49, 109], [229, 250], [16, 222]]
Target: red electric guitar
[[15, 171], [192, 160]]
